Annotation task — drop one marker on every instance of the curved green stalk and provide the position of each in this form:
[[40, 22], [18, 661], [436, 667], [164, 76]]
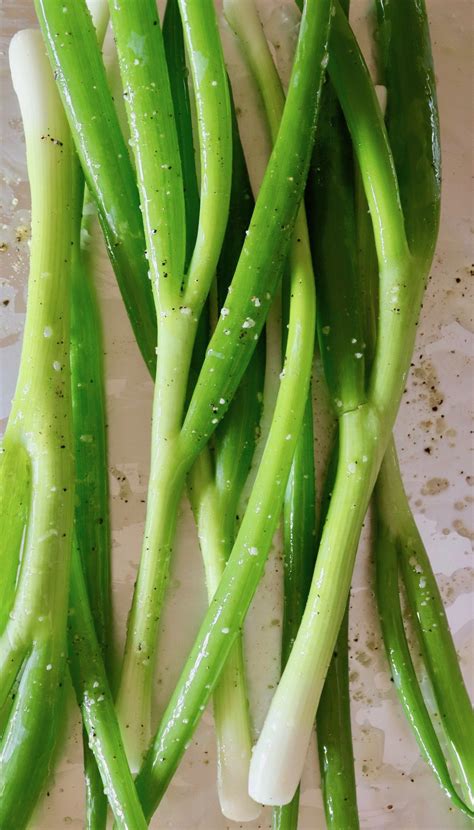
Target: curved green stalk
[[215, 510], [330, 207], [92, 523], [39, 433], [91, 515], [154, 139], [173, 42], [412, 117], [214, 491], [266, 245], [232, 598], [95, 698], [299, 503], [76, 59], [398, 544], [404, 33], [335, 755], [439, 652], [333, 718], [364, 432], [211, 91], [150, 112], [299, 546]]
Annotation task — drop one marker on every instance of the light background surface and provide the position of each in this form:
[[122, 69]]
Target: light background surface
[[395, 787]]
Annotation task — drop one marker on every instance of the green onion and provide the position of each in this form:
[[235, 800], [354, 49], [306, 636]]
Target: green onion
[[398, 546], [364, 432], [91, 521], [40, 430], [411, 89], [299, 549], [178, 297], [76, 59], [299, 503], [214, 490], [38, 442], [98, 713], [214, 487], [330, 207], [92, 524]]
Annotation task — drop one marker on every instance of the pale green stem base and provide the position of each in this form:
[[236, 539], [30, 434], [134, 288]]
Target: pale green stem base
[[275, 774], [231, 711], [167, 479]]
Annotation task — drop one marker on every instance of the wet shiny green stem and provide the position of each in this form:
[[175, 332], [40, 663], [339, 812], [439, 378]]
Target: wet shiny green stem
[[76, 59], [299, 546], [398, 547], [98, 713], [335, 741], [299, 502], [206, 61], [363, 433], [407, 66], [38, 440], [330, 208], [265, 248], [333, 718], [154, 140], [91, 515], [150, 110], [231, 600], [92, 524], [214, 489]]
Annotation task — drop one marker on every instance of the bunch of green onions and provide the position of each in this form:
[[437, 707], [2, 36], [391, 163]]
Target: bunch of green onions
[[346, 220]]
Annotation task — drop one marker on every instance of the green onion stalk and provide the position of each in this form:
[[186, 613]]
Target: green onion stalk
[[39, 437], [215, 485], [260, 264], [399, 550], [71, 41], [91, 523], [364, 428], [333, 722], [337, 304], [179, 295], [334, 736], [37, 468], [215, 481], [299, 537], [107, 774], [330, 207], [299, 506], [93, 692]]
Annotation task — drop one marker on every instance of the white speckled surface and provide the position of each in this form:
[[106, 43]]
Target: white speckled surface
[[396, 789]]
